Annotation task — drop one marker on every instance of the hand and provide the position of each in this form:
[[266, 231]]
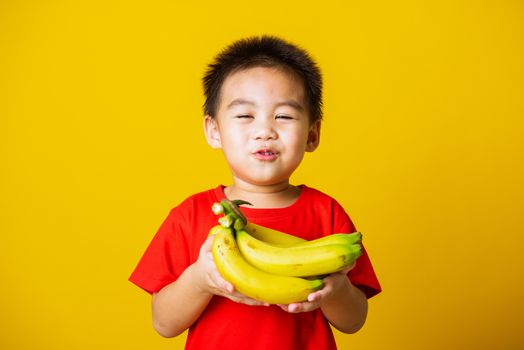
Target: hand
[[212, 282], [332, 285]]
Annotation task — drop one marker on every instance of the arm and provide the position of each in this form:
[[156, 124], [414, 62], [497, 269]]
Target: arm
[[179, 304], [176, 306], [346, 306]]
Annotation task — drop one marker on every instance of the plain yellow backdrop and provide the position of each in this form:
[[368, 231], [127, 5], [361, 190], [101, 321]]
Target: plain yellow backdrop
[[101, 134]]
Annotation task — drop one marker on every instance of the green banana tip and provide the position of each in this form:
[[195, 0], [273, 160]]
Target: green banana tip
[[358, 236], [358, 249]]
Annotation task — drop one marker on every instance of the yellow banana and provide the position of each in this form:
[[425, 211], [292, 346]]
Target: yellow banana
[[253, 282], [303, 261], [282, 239], [271, 236], [335, 238], [233, 215]]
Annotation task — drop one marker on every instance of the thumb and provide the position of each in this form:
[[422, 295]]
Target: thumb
[[208, 243], [347, 269]]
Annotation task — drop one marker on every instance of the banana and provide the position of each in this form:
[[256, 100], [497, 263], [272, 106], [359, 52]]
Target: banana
[[271, 236], [234, 215], [253, 282], [335, 238], [302, 260]]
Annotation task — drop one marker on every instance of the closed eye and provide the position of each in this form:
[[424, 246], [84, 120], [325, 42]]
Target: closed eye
[[242, 116], [286, 117]]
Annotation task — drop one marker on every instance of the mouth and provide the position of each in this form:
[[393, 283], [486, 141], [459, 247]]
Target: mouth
[[265, 154]]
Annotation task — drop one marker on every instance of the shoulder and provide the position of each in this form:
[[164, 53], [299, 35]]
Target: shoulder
[[319, 198], [311, 191], [199, 197], [328, 206], [192, 218]]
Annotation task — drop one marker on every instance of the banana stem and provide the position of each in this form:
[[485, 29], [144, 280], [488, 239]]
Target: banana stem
[[233, 209], [227, 220], [238, 225], [217, 208], [232, 214], [238, 202]]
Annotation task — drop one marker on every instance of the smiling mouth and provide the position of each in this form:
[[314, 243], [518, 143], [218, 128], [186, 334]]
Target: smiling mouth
[[265, 154]]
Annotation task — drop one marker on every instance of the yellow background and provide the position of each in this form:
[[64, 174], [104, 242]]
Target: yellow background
[[100, 135]]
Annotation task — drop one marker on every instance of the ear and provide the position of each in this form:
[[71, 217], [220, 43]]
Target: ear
[[313, 138], [212, 132]]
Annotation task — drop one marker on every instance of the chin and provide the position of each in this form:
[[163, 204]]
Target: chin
[[267, 181], [258, 177]]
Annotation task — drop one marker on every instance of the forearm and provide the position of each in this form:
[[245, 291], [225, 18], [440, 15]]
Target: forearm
[[179, 304], [347, 309]]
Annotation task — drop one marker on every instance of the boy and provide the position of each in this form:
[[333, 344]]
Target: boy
[[263, 109]]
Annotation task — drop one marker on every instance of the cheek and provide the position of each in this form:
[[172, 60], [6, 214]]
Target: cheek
[[227, 135], [233, 144], [297, 143]]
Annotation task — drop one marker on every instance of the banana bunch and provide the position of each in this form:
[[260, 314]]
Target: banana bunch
[[253, 282], [273, 266]]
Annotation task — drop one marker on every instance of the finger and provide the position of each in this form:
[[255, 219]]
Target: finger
[[347, 269], [208, 243], [221, 283], [209, 255], [306, 307], [294, 308], [218, 282], [302, 307], [228, 287], [316, 296], [206, 247], [242, 299], [283, 307], [230, 292], [253, 302]]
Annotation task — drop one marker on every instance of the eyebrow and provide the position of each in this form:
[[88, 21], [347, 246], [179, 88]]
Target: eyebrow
[[291, 103]]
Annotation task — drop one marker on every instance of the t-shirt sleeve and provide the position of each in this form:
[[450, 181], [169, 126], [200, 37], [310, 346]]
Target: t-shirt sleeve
[[165, 258], [362, 275]]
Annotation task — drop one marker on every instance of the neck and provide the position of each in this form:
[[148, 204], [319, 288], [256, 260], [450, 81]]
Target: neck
[[264, 196]]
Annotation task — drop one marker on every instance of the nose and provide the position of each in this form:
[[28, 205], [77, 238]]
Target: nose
[[264, 130]]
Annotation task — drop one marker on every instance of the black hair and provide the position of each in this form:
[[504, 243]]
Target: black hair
[[263, 51]]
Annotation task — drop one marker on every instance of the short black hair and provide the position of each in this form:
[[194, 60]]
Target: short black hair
[[263, 51]]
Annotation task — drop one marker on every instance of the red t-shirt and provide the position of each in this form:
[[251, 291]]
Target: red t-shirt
[[228, 325]]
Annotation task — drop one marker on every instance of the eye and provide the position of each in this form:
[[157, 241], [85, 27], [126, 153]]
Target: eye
[[283, 116], [244, 116]]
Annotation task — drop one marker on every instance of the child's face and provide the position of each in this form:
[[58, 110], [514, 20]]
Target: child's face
[[262, 125]]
